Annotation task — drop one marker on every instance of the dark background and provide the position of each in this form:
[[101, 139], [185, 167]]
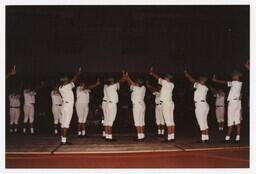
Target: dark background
[[46, 42]]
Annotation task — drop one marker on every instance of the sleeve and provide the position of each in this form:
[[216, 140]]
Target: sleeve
[[160, 81], [229, 83], [154, 93], [72, 84], [196, 84], [131, 87]]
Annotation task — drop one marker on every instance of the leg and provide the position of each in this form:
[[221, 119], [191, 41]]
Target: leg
[[26, 117], [31, 118]]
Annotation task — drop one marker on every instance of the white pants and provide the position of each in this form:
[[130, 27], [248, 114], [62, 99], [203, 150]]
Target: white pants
[[234, 112], [201, 111], [159, 115], [56, 111], [167, 110], [111, 114], [82, 110], [104, 109], [220, 111], [66, 114], [14, 115], [29, 112], [139, 114]]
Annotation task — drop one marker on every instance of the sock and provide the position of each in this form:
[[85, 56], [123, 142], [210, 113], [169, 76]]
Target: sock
[[172, 136], [142, 135], [202, 137], [55, 131], [206, 137], [103, 134], [138, 136], [79, 133], [162, 131], [63, 139], [237, 137], [83, 132], [227, 138], [169, 137], [15, 130], [159, 132], [24, 130], [110, 136], [107, 135], [32, 130], [10, 130]]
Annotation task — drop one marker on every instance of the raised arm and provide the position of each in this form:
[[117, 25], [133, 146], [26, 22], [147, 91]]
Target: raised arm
[[189, 77], [153, 73], [12, 72], [94, 85], [214, 79], [75, 77], [129, 80]]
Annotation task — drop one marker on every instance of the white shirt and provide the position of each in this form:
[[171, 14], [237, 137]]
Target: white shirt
[[235, 90], [166, 90], [200, 92], [29, 97], [220, 99], [105, 92], [111, 91], [56, 98], [138, 94], [14, 100], [67, 93], [82, 96], [157, 97]]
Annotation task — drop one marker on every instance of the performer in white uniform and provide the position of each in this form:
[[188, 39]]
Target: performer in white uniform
[[14, 99], [67, 105], [201, 105], [104, 108], [112, 100], [234, 105], [29, 109], [137, 97], [220, 108], [158, 110], [82, 104], [56, 107], [167, 103]]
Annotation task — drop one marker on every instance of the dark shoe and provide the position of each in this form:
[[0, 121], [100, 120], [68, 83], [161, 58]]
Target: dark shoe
[[201, 141], [111, 140], [167, 141], [237, 141], [67, 143]]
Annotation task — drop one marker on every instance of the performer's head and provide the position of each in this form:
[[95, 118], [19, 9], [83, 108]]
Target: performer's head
[[140, 82], [236, 75], [81, 82], [202, 80], [168, 77], [110, 81], [64, 80]]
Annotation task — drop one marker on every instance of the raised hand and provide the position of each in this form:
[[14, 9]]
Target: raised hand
[[98, 82], [214, 79], [13, 70], [79, 69], [151, 70]]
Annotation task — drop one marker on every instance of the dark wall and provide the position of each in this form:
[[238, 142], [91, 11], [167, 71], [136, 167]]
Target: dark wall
[[56, 39]]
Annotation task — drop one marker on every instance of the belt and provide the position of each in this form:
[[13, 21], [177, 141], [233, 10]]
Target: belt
[[66, 102], [15, 107], [219, 106], [110, 102], [58, 104], [158, 104], [104, 100], [200, 101]]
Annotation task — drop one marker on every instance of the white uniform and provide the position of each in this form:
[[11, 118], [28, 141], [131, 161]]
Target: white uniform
[[158, 109], [201, 106], [112, 99], [14, 100], [137, 97], [234, 105], [166, 101], [104, 103], [82, 103], [56, 106], [29, 110], [220, 106], [67, 105]]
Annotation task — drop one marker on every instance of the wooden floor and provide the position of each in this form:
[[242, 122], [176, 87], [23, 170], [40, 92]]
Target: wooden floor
[[24, 151]]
